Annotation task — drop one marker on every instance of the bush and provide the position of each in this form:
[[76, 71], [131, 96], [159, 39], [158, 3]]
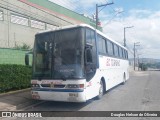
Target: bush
[[22, 47], [14, 77], [143, 66]]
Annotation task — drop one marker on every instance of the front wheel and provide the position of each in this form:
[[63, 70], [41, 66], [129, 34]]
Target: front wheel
[[101, 90]]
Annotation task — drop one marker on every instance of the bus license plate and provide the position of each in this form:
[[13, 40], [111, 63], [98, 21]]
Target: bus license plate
[[73, 94]]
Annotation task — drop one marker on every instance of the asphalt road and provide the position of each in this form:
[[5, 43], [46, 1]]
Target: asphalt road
[[140, 93]]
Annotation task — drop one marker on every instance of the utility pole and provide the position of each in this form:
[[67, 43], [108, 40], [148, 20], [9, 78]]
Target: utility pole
[[125, 34], [135, 44], [97, 11]]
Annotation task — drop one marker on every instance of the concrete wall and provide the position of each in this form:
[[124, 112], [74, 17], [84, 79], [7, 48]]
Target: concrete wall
[[12, 34]]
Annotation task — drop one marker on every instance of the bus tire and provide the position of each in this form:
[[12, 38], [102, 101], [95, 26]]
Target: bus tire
[[101, 90], [124, 79]]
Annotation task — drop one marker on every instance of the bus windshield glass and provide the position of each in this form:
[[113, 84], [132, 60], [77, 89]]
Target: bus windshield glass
[[59, 54]]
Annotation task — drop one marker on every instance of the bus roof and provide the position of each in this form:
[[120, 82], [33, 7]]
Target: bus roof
[[81, 25]]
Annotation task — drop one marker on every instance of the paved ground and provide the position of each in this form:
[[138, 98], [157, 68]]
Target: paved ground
[[16, 100]]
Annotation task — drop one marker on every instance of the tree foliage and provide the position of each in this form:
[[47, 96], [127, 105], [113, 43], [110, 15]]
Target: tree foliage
[[143, 66]]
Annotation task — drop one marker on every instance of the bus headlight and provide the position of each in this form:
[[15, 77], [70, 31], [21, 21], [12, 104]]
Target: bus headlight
[[75, 86], [35, 85]]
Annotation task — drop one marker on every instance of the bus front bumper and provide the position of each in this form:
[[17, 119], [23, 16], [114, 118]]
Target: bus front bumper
[[59, 95]]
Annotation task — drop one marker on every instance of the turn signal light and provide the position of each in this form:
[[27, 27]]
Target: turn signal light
[[81, 85]]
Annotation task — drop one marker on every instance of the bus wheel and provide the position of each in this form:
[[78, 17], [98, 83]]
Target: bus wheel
[[124, 78], [101, 90]]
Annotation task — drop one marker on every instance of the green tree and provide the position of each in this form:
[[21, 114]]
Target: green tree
[[22, 47], [143, 66]]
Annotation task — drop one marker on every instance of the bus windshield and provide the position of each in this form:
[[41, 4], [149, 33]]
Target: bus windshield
[[59, 55]]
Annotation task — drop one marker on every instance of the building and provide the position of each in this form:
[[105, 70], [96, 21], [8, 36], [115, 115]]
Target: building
[[20, 20]]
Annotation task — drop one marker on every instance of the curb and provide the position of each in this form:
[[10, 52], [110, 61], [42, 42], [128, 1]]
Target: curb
[[14, 92]]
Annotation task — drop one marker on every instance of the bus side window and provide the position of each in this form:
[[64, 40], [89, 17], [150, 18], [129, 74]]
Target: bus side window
[[90, 36], [90, 54], [127, 54], [91, 49], [110, 48], [120, 52], [116, 52], [102, 45], [124, 54]]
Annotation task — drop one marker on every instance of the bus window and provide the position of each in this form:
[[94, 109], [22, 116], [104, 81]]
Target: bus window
[[91, 39], [110, 48], [102, 45], [90, 54], [90, 36], [123, 51], [126, 54], [116, 52], [120, 52]]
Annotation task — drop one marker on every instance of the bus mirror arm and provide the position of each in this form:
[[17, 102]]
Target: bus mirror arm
[[27, 59]]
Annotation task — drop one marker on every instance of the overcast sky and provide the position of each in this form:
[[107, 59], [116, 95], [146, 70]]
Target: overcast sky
[[144, 15]]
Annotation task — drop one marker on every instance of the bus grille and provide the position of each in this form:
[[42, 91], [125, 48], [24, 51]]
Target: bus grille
[[55, 86]]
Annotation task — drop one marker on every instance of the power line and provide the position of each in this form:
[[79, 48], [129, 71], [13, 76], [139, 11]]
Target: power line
[[120, 22], [112, 18], [70, 3]]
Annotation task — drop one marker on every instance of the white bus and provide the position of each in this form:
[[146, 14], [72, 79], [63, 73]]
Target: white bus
[[76, 63]]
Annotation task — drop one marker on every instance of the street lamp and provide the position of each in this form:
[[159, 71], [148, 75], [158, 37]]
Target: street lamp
[[125, 34], [135, 44]]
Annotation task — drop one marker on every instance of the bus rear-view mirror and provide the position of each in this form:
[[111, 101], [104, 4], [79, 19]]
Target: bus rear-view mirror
[[27, 58]]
